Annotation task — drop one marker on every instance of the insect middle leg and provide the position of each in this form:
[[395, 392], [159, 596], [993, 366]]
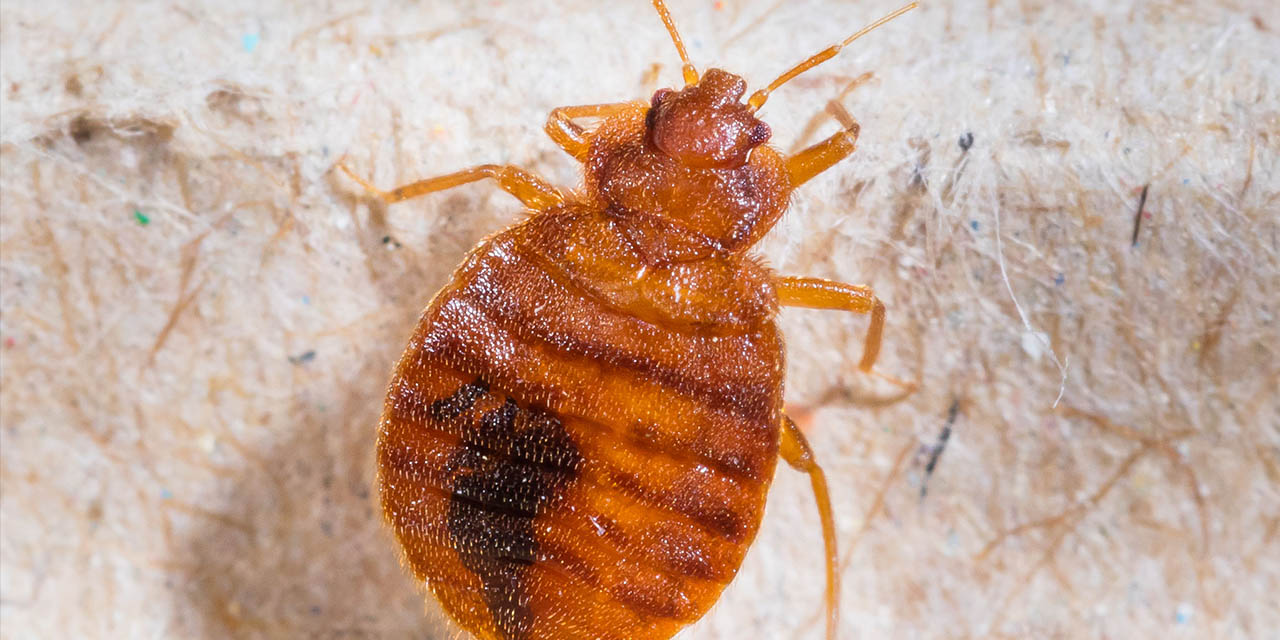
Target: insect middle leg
[[804, 165], [533, 191], [571, 136], [817, 293], [796, 452]]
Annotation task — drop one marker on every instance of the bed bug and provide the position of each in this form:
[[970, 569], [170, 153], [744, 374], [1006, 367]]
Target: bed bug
[[578, 440]]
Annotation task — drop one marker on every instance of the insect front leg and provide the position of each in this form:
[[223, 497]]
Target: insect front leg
[[528, 188], [796, 452], [571, 136], [804, 165], [817, 293]]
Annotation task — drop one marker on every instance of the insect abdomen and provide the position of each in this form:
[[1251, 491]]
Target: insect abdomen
[[556, 468]]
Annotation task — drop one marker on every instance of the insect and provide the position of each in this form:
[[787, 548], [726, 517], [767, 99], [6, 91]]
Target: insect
[[578, 440]]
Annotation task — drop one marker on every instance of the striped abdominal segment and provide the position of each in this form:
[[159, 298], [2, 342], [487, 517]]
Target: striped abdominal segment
[[515, 465], [467, 475], [546, 486], [512, 511]]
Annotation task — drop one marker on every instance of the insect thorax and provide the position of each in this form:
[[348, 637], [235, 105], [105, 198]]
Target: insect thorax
[[720, 208]]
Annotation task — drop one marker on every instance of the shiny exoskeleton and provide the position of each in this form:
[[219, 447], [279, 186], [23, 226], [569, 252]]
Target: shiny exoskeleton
[[579, 438]]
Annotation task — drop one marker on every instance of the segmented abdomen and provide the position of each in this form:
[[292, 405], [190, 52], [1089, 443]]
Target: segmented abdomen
[[557, 469]]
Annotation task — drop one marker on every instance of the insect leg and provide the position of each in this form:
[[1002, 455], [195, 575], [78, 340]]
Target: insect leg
[[570, 135], [533, 191], [796, 452], [817, 293], [804, 165]]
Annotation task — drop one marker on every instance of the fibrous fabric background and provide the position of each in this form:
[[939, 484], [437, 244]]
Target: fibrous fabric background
[[198, 313]]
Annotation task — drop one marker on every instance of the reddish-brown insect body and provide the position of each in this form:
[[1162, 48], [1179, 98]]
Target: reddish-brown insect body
[[579, 438]]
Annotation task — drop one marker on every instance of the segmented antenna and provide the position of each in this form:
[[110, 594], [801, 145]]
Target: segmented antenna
[[758, 98], [690, 73]]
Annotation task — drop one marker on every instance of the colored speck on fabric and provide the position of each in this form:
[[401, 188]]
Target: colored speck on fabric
[[165, 494], [1182, 614], [141, 218], [1059, 279], [303, 358], [249, 41], [306, 300], [973, 224]]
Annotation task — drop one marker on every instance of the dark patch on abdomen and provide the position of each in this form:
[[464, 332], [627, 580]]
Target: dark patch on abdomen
[[513, 463], [460, 402]]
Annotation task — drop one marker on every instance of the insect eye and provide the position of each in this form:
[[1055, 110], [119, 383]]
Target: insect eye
[[651, 117], [759, 134]]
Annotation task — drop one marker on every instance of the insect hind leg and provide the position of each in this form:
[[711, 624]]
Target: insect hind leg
[[796, 452]]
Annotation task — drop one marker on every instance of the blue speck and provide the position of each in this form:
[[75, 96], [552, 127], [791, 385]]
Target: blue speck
[[1059, 279], [306, 299], [249, 41], [165, 494], [1182, 614], [973, 224], [1186, 181]]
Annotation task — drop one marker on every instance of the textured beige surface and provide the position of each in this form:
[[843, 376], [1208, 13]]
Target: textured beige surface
[[188, 405]]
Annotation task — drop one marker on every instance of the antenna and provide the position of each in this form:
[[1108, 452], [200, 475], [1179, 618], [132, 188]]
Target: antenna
[[690, 73], [758, 98]]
